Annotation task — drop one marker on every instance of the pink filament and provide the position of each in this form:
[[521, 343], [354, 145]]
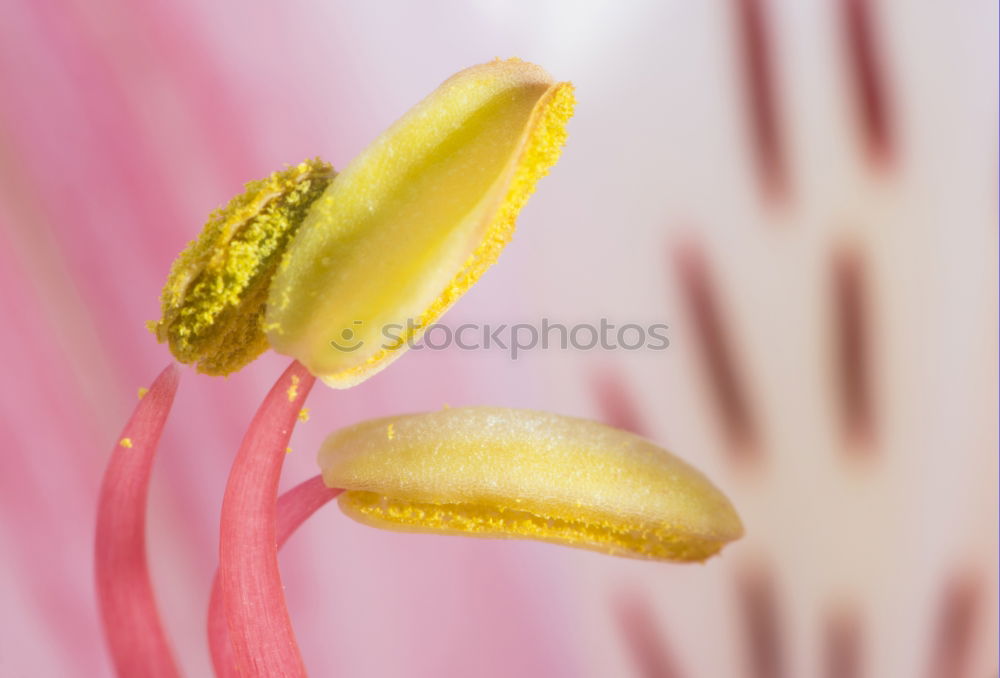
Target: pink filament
[[263, 641], [294, 508], [131, 621]]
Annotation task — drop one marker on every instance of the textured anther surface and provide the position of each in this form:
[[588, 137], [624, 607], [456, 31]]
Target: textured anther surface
[[213, 302], [495, 472]]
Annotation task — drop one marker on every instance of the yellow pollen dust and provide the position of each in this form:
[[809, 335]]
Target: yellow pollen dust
[[214, 300], [304, 414], [293, 390], [126, 442], [142, 392], [614, 537]]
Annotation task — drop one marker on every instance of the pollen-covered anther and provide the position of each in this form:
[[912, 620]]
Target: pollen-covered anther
[[493, 472], [414, 221], [213, 302]]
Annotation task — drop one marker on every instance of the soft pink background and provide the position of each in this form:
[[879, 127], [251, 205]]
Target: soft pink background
[[122, 124]]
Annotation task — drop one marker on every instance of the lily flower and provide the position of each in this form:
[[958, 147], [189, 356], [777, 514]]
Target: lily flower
[[307, 259], [297, 262]]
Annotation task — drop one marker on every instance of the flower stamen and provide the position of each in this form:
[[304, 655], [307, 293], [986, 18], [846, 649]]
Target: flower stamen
[[294, 507], [129, 613], [253, 598]]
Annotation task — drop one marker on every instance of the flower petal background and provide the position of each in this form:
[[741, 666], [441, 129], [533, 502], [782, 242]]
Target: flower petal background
[[832, 364]]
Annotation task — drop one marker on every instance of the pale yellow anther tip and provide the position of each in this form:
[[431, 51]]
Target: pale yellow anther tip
[[493, 472]]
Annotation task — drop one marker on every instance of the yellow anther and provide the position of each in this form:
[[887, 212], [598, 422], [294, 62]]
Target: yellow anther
[[344, 274], [494, 472], [213, 302], [415, 220]]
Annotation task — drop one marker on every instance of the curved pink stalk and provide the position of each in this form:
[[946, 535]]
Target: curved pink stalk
[[132, 625], [253, 598], [294, 507]]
